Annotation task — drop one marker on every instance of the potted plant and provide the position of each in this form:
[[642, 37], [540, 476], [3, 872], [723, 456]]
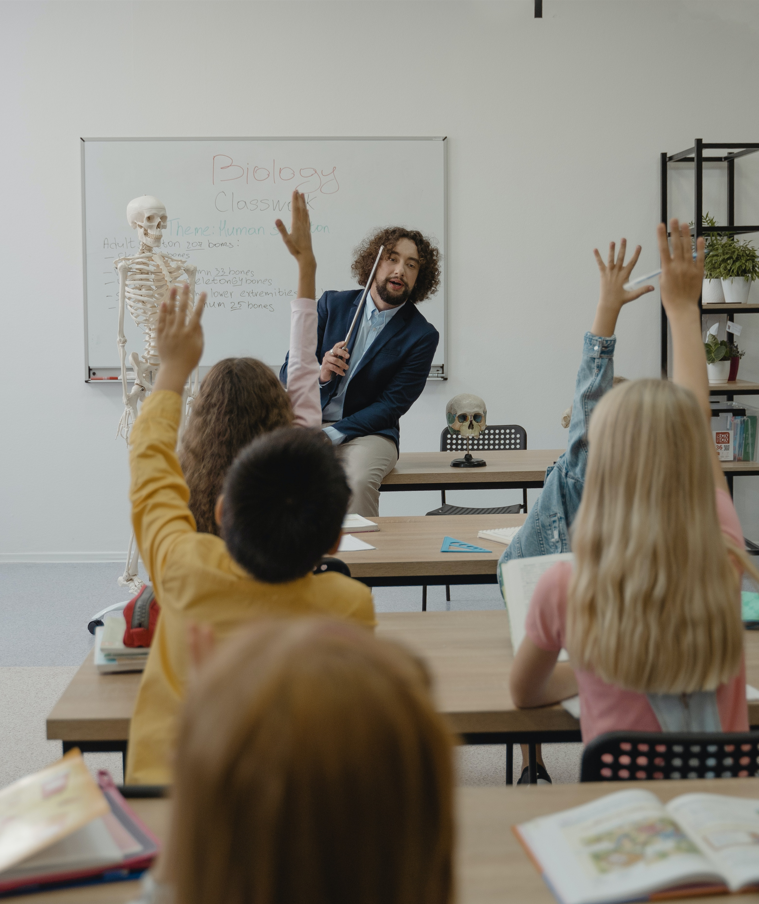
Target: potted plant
[[736, 264], [734, 355], [717, 361], [711, 292]]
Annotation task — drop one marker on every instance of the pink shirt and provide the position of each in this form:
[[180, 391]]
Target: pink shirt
[[303, 366], [605, 707]]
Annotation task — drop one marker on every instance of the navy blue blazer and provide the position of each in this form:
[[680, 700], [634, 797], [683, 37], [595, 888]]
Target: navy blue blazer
[[392, 373]]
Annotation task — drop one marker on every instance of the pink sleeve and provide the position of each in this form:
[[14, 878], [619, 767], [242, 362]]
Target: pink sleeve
[[728, 518], [547, 615], [302, 366]]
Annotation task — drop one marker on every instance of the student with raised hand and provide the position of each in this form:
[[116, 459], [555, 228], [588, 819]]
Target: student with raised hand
[[546, 530], [241, 398], [650, 612], [312, 768], [283, 502]]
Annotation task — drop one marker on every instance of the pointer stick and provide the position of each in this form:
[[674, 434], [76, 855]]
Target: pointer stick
[[363, 297]]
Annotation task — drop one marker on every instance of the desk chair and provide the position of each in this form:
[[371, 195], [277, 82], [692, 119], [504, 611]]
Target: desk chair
[[642, 755], [495, 437]]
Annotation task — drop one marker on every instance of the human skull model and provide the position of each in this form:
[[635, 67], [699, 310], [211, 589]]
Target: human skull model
[[466, 415], [148, 216]]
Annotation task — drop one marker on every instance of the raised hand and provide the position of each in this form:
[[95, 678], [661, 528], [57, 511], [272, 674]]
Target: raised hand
[[179, 339], [334, 362], [298, 243], [681, 275], [614, 274]]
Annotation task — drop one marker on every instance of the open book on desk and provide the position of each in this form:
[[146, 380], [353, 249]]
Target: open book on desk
[[61, 827], [519, 578], [628, 845]]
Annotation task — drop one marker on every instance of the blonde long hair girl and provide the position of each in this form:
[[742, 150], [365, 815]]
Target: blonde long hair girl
[[312, 768], [652, 599], [650, 614]]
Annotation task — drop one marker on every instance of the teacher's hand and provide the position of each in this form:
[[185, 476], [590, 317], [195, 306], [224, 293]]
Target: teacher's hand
[[334, 362]]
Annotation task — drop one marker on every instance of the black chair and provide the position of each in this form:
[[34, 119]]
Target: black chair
[[330, 563], [495, 437], [621, 756]]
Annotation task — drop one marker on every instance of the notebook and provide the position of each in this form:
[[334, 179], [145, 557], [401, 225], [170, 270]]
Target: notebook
[[519, 578], [356, 524], [500, 534], [59, 827]]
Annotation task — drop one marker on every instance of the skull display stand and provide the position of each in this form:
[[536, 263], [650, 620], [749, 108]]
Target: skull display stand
[[145, 280], [466, 416]]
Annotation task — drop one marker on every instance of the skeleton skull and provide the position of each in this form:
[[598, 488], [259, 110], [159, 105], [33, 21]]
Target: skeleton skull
[[148, 216], [467, 415]]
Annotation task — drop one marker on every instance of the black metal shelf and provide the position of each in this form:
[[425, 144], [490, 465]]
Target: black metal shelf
[[695, 156]]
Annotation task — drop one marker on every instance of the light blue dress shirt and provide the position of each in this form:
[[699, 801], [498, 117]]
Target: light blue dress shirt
[[371, 325]]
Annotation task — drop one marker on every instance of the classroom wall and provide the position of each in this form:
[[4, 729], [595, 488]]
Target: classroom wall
[[555, 129]]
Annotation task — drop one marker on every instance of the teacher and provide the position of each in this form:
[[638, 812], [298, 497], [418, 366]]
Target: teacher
[[367, 386]]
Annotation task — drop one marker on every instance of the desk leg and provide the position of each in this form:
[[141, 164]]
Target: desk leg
[[99, 747], [533, 763], [730, 483], [509, 764], [424, 598]]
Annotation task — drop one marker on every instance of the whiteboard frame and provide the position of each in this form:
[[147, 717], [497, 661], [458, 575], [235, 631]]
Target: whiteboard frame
[[437, 373]]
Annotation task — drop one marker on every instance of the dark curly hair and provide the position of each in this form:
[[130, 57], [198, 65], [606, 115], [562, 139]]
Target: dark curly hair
[[429, 259], [239, 400]]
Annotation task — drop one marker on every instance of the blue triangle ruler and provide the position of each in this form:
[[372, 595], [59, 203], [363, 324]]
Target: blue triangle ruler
[[451, 545]]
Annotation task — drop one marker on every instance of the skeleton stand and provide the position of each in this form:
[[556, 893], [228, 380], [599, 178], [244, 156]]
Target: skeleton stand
[[467, 461]]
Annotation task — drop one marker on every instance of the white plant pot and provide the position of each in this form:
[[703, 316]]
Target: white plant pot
[[736, 290], [712, 293], [719, 372]]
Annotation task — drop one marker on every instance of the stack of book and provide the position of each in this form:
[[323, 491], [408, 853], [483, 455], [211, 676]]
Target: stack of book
[[735, 436], [111, 655], [61, 827]]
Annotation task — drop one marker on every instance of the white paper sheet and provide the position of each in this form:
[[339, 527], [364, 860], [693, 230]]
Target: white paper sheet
[[349, 543]]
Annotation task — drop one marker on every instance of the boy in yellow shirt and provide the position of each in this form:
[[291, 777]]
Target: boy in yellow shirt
[[284, 500]]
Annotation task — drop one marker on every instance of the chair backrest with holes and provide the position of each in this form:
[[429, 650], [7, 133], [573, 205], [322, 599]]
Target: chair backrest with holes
[[629, 756], [495, 436]]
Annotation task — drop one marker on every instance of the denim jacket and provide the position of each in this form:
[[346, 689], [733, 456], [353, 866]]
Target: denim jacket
[[546, 529]]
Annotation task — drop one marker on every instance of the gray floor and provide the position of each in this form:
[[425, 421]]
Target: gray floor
[[44, 610]]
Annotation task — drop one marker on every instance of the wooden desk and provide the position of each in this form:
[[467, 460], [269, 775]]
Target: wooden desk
[[469, 654], [505, 470], [408, 551], [492, 867], [516, 468]]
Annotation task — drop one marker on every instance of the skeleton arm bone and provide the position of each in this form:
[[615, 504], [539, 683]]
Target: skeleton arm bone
[[129, 398]]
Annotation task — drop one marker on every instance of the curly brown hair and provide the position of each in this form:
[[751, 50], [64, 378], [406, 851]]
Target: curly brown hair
[[239, 399], [429, 259]]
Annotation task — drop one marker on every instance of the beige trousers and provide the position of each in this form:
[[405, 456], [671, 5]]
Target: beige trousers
[[367, 461]]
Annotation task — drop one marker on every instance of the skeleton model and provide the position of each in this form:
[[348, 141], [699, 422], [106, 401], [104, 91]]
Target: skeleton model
[[466, 416], [145, 280]]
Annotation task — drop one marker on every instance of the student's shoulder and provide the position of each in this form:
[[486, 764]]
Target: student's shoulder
[[728, 518], [345, 596], [552, 586]]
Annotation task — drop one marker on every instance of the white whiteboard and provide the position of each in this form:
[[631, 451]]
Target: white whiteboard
[[222, 196]]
